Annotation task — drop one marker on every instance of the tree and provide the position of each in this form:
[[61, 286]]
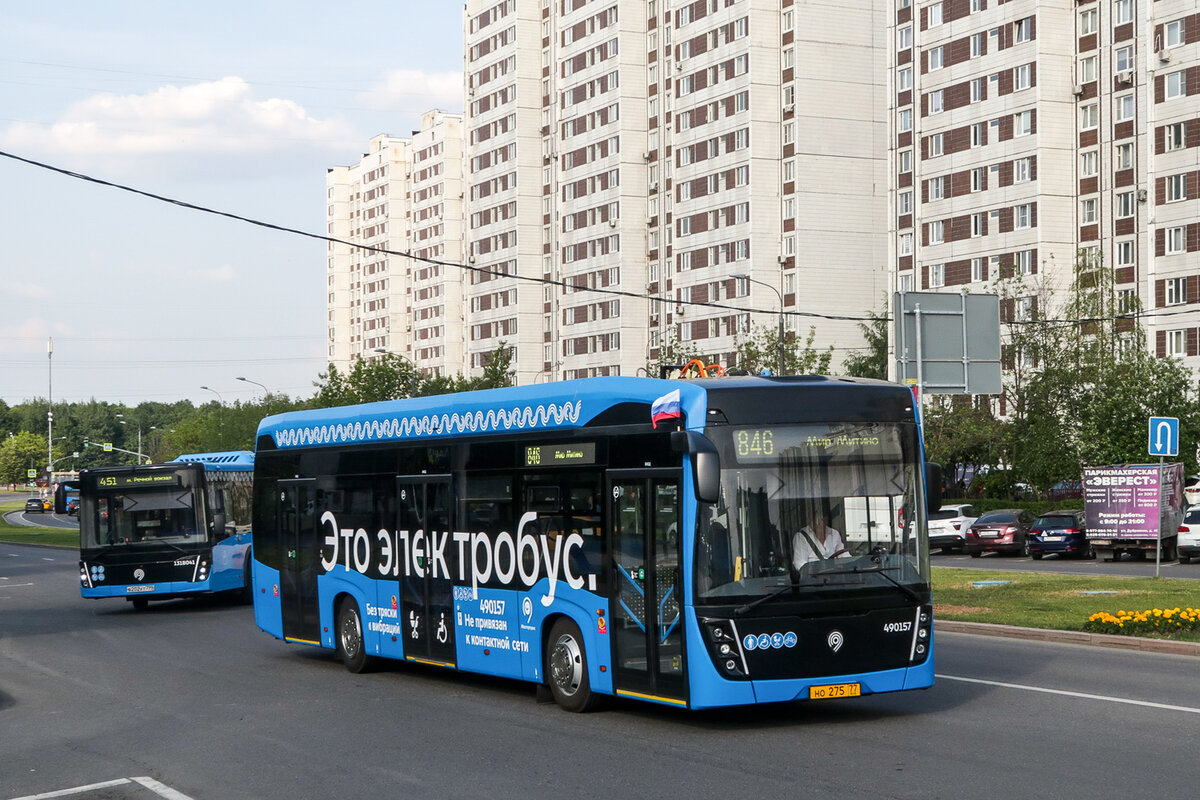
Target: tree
[[1081, 388], [19, 453], [873, 361], [962, 437], [760, 352]]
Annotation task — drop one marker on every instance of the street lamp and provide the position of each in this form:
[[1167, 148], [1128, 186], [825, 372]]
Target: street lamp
[[50, 409], [266, 393], [220, 414], [745, 277], [140, 455], [220, 399], [412, 390]]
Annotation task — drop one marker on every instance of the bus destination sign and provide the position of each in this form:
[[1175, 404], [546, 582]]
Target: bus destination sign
[[137, 481], [559, 454]]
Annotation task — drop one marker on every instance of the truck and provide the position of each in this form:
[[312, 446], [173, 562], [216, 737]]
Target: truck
[[1133, 508]]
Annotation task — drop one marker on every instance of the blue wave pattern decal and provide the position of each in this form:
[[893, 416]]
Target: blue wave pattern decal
[[492, 420]]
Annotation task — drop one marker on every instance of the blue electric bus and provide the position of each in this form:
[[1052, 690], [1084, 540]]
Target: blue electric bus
[[609, 536], [170, 530]]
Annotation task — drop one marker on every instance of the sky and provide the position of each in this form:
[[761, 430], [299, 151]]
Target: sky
[[238, 107]]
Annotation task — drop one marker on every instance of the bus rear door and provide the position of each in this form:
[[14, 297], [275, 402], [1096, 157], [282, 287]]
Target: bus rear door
[[647, 635], [301, 552], [423, 508]]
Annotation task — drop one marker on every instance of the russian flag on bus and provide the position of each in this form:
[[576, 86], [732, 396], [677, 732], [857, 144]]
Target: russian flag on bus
[[669, 406]]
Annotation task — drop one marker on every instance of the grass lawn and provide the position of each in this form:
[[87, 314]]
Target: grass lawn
[[1056, 602], [21, 534]]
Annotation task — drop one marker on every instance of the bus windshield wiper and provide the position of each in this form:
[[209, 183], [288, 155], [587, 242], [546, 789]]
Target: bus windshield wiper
[[879, 570], [792, 586]]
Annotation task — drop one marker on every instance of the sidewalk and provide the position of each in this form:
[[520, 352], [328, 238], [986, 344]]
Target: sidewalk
[[1070, 637]]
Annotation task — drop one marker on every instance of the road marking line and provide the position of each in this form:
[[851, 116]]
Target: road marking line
[[1065, 693], [160, 789]]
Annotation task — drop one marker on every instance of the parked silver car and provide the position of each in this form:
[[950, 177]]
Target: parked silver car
[[948, 527]]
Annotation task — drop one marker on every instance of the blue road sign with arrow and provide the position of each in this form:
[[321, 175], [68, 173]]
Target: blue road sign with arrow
[[1164, 436]]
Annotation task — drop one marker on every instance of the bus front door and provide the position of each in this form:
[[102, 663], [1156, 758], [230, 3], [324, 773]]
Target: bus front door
[[647, 625], [300, 541], [423, 506]]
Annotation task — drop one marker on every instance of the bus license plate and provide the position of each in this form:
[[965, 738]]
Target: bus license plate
[[834, 690], [139, 589]]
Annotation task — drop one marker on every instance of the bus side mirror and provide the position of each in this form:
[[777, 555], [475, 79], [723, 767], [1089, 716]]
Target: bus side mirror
[[935, 485], [706, 463]]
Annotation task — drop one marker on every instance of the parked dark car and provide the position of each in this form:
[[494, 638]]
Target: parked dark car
[[1003, 531], [1062, 532], [34, 504]]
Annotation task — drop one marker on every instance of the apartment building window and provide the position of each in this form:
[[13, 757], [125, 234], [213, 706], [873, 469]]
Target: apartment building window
[[1126, 205], [904, 79], [1024, 265], [904, 121], [1123, 59], [1123, 156], [789, 132], [1023, 123], [1173, 33], [937, 145], [1089, 117], [905, 245], [1176, 84], [1177, 187], [904, 161], [934, 15], [1087, 69], [1089, 164], [1125, 253], [937, 188], [1176, 243], [937, 275], [1123, 108], [1023, 216], [1022, 77], [1089, 211], [994, 266], [993, 89], [978, 137], [906, 282], [1088, 22], [976, 269], [904, 38], [1176, 291], [937, 232], [1175, 344], [788, 17], [1023, 309], [977, 224], [976, 44], [936, 102], [977, 179], [976, 90], [1174, 137], [1126, 300], [1023, 30], [789, 171], [936, 58], [904, 201], [1122, 12]]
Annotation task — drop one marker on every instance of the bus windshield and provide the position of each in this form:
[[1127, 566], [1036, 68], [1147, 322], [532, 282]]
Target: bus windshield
[[145, 515], [813, 510]]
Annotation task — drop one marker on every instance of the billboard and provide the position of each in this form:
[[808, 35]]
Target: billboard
[[1132, 501]]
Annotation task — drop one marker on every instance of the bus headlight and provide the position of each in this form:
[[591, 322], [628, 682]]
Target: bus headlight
[[724, 645], [922, 634]]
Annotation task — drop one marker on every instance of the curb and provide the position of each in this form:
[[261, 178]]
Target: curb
[[1070, 637]]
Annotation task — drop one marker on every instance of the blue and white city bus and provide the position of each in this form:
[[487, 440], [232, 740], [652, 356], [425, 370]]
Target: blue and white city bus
[[170, 530], [609, 536]]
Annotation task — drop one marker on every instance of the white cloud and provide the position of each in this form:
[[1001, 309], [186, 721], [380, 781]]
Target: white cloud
[[223, 273], [30, 290], [213, 118], [412, 93]]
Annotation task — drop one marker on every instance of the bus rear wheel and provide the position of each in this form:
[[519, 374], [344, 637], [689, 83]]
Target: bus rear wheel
[[566, 668], [350, 646]]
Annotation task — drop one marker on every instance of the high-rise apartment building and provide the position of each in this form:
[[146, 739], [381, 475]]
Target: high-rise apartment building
[[641, 177], [1028, 133], [403, 196]]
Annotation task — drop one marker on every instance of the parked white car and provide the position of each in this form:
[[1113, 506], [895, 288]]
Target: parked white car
[[1188, 544], [948, 527], [1191, 490]]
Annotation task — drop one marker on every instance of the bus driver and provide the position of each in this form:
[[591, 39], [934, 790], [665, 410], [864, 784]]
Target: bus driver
[[817, 540]]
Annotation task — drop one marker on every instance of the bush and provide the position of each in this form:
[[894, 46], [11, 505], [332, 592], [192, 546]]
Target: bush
[[1155, 622]]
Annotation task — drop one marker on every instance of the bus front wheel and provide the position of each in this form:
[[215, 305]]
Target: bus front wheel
[[350, 646], [566, 668]]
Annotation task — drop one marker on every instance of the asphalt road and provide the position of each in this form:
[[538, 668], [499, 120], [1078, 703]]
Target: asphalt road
[[191, 697]]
